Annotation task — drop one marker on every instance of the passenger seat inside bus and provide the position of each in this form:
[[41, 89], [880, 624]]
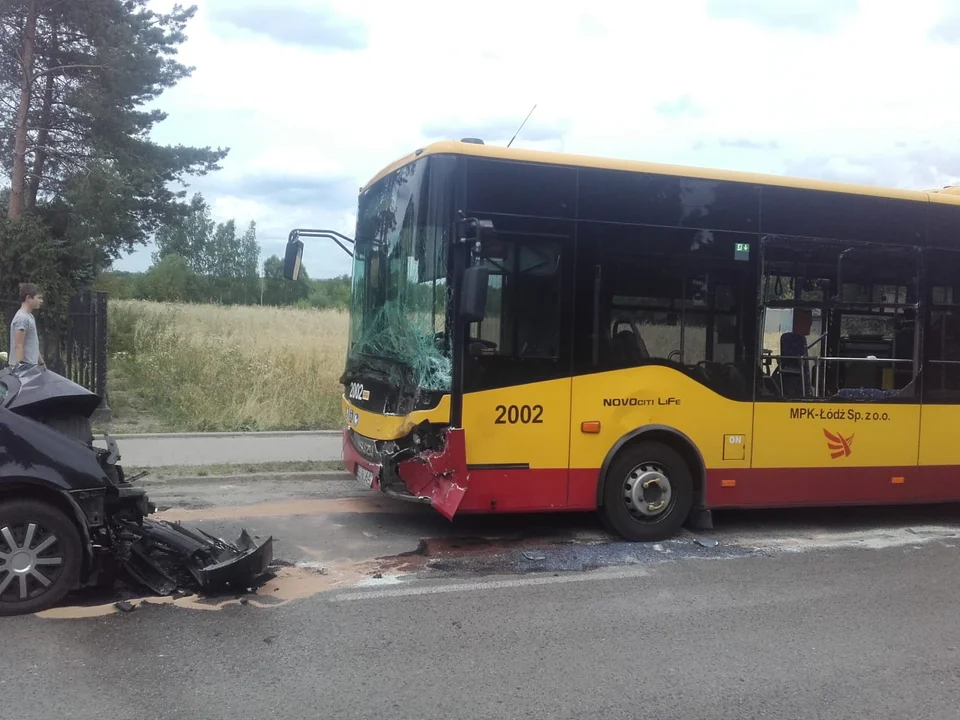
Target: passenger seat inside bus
[[628, 348], [792, 367]]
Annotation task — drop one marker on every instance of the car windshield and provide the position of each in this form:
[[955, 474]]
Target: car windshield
[[399, 295]]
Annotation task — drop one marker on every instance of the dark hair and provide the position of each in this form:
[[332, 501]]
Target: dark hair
[[28, 290]]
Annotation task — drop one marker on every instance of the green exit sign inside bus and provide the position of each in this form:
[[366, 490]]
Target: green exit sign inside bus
[[741, 251]]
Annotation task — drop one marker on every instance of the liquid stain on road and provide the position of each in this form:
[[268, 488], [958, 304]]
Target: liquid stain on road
[[514, 554], [289, 583]]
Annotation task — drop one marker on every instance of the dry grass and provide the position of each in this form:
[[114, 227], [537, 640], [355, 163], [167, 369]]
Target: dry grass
[[209, 368]]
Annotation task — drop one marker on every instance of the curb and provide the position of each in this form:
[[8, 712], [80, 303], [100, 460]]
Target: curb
[[205, 435], [320, 475]]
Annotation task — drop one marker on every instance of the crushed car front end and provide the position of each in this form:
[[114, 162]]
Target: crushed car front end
[[70, 519]]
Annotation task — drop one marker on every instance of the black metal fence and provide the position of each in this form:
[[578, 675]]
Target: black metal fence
[[73, 341]]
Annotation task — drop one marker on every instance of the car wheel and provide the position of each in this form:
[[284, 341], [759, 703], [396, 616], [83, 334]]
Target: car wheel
[[648, 492], [40, 556]]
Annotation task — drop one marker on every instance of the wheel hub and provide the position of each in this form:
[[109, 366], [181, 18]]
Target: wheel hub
[[647, 491], [27, 562], [21, 562]]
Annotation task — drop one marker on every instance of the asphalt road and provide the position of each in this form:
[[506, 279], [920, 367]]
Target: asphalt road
[[846, 614]]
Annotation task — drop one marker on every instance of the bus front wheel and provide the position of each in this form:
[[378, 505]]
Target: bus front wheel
[[648, 492]]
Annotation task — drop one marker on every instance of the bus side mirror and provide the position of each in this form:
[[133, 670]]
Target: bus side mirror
[[473, 300], [291, 260]]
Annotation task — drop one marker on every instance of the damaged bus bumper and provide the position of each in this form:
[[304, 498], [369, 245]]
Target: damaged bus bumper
[[436, 475]]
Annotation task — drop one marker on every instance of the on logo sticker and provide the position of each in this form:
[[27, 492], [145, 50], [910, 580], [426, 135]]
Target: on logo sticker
[[839, 445]]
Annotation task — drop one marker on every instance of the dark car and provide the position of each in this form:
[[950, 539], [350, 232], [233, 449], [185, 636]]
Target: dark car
[[70, 519]]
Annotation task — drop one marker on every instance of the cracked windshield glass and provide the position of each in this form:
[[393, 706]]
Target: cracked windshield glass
[[399, 291]]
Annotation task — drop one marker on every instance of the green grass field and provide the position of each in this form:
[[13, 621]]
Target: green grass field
[[209, 368]]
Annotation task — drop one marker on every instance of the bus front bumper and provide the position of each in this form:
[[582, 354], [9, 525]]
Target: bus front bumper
[[436, 477]]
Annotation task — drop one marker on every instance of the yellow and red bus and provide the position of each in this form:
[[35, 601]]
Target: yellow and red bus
[[535, 332]]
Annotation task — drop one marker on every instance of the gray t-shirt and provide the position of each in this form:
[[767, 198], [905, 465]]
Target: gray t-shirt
[[31, 344]]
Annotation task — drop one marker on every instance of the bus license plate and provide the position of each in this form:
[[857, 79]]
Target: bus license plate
[[364, 476]]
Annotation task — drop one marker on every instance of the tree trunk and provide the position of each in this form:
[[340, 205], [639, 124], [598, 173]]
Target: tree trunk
[[43, 134], [19, 175]]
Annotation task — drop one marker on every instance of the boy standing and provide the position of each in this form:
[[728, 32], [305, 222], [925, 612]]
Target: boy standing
[[24, 342]]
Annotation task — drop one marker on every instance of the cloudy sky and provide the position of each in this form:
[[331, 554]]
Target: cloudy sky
[[315, 96]]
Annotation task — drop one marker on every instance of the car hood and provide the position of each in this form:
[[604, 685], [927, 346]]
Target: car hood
[[30, 450]]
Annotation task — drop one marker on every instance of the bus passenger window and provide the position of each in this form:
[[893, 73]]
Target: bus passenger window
[[839, 321], [941, 381], [680, 314], [644, 315]]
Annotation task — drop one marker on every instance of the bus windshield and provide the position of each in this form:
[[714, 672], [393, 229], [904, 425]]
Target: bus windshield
[[399, 294]]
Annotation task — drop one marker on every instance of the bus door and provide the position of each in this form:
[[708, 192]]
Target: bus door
[[939, 449], [837, 411], [516, 405]]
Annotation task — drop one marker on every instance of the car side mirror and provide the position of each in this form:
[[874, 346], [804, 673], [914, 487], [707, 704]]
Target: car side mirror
[[473, 300], [292, 260]]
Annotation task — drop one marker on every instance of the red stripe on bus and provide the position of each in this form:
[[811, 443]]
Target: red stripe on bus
[[789, 487], [557, 489], [516, 490]]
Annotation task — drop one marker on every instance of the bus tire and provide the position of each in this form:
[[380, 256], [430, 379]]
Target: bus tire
[[647, 493]]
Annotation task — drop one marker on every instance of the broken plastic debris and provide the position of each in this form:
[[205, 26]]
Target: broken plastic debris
[[125, 606], [529, 555], [707, 542], [210, 562]]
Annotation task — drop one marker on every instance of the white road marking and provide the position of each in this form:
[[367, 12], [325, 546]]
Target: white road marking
[[870, 539], [592, 576]]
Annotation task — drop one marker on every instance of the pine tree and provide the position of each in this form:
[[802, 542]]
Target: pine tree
[[76, 79]]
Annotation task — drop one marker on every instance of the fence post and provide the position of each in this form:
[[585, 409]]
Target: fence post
[[101, 351]]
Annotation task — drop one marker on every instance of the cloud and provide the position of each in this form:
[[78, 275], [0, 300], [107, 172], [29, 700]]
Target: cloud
[[306, 128], [924, 167], [683, 106], [317, 28], [735, 143], [809, 16], [281, 203], [947, 29], [590, 24], [495, 129], [323, 193], [747, 144]]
